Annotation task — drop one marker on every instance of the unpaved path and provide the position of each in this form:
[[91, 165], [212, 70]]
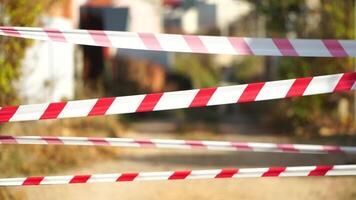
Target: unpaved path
[[134, 160]]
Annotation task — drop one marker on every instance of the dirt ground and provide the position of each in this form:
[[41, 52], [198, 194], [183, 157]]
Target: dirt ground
[[135, 160]]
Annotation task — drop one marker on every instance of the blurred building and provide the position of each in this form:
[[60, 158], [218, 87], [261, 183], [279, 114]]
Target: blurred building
[[48, 67], [131, 71], [194, 16], [144, 17], [99, 18], [209, 17]]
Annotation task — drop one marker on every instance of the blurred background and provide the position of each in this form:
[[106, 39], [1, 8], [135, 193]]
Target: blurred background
[[38, 72]]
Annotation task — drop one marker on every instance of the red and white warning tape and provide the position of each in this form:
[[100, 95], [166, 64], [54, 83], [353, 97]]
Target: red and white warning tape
[[182, 99], [190, 43], [177, 144], [333, 170]]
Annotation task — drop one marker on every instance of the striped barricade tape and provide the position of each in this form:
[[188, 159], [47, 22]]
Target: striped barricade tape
[[182, 99], [178, 144], [304, 171], [190, 43]]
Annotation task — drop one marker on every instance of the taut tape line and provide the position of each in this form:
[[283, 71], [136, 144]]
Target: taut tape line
[[190, 43], [303, 171], [178, 144], [182, 99]]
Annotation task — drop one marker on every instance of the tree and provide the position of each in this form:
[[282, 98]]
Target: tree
[[15, 13], [327, 19]]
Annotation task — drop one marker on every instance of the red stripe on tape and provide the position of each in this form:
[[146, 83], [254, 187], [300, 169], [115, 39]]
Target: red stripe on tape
[[335, 48], [285, 47], [274, 171], [53, 110], [149, 102], [195, 144], [227, 173], [101, 106], [145, 143], [320, 170], [346, 82], [10, 31], [98, 141], [243, 146], [80, 179], [6, 113], [34, 180], [202, 97], [298, 87], [52, 140], [250, 93], [179, 175], [55, 35], [4, 139], [195, 44], [332, 149], [150, 41], [287, 148], [240, 46], [100, 38], [127, 177]]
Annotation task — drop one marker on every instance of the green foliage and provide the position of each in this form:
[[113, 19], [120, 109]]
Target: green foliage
[[199, 69], [248, 70], [278, 14], [294, 16], [15, 13]]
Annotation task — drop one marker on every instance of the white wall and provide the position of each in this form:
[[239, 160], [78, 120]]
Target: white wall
[[223, 14], [47, 72], [144, 15], [190, 21]]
